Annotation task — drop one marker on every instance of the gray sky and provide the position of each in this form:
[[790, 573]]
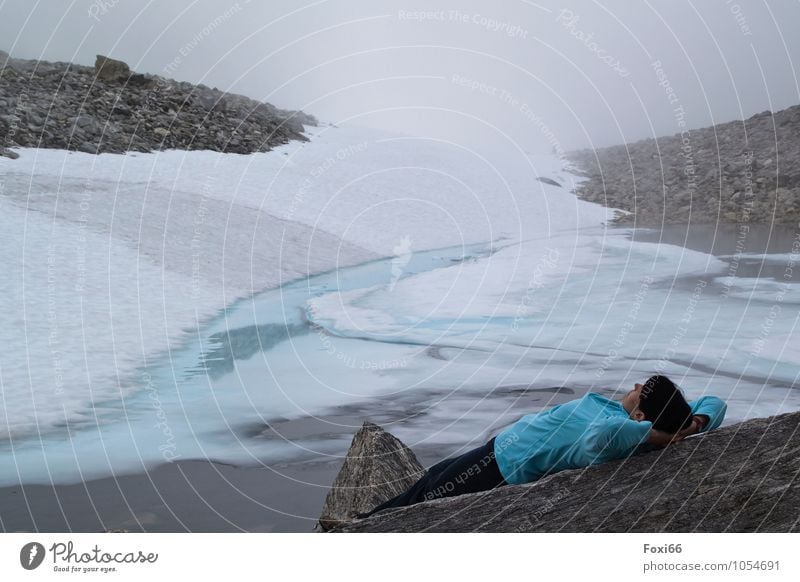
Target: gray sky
[[548, 74]]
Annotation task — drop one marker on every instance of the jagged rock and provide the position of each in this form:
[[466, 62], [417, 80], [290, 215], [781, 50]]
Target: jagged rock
[[378, 466], [111, 70], [739, 478], [3, 57]]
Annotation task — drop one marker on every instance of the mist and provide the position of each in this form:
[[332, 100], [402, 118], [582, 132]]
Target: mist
[[545, 76]]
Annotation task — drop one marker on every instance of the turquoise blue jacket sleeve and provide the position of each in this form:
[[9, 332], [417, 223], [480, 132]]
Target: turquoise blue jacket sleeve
[[712, 407], [615, 437]]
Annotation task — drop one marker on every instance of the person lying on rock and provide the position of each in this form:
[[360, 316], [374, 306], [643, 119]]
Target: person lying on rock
[[586, 431]]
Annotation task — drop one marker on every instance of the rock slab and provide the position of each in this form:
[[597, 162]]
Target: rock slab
[[739, 478], [378, 466]]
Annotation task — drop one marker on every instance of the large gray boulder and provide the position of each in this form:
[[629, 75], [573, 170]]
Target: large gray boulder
[[111, 70], [378, 466], [740, 478]]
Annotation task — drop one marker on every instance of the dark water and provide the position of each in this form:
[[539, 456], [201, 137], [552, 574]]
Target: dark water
[[734, 243]]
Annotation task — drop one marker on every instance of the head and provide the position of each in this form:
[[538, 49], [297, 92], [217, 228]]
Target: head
[[659, 401]]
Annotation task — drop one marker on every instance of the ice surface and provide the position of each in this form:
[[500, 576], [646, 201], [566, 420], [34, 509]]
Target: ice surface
[[184, 304]]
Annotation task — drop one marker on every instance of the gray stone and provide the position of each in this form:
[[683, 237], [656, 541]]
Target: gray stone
[[549, 181], [111, 70], [7, 153], [740, 478], [88, 148], [141, 81], [378, 466], [84, 121]]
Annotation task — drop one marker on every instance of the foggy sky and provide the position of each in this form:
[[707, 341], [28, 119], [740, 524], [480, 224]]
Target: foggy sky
[[547, 75]]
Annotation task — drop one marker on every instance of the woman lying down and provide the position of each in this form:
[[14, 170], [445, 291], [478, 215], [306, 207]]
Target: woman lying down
[[586, 431]]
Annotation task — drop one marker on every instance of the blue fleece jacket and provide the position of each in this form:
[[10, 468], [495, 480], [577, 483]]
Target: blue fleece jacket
[[586, 431]]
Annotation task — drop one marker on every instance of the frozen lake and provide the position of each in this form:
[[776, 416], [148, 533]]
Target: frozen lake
[[190, 305]]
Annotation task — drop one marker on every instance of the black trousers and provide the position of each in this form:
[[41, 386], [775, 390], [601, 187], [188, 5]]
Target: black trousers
[[475, 470]]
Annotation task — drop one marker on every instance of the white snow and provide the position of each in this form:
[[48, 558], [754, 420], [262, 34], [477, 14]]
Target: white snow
[[117, 267]]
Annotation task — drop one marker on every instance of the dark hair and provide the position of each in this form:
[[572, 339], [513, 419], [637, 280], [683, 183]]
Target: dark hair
[[663, 404]]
